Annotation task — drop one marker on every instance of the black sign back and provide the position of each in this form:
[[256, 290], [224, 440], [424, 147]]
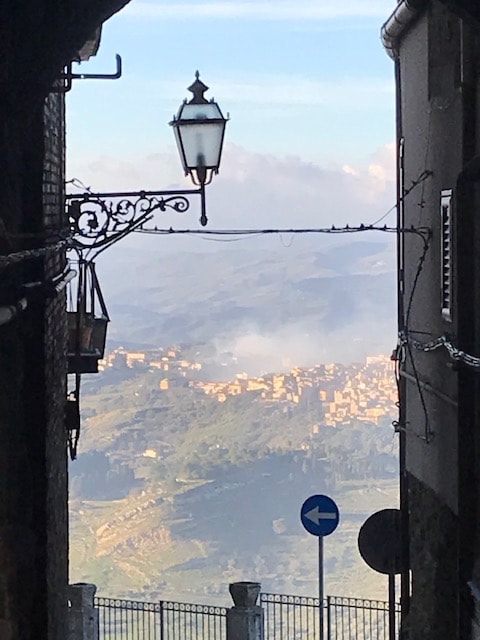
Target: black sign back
[[379, 541]]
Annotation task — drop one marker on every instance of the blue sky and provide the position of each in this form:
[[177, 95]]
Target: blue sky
[[307, 84]]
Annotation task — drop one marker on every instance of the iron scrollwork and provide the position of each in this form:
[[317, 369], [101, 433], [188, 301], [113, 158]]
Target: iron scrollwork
[[99, 220]]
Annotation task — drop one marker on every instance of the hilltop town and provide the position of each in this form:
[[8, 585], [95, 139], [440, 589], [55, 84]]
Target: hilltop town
[[354, 392], [173, 441]]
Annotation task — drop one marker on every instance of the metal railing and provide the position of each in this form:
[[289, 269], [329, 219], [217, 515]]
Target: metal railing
[[359, 619], [129, 620], [193, 621], [164, 620], [294, 617], [290, 617], [286, 617]]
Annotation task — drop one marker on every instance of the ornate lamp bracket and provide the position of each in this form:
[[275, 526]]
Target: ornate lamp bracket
[[99, 220]]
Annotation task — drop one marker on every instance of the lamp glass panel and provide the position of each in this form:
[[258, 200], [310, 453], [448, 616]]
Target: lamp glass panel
[[201, 143], [204, 111], [178, 140]]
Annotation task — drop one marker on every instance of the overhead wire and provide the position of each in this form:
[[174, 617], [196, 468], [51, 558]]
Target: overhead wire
[[405, 346]]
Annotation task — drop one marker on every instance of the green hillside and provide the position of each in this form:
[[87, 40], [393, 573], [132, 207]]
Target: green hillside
[[175, 494]]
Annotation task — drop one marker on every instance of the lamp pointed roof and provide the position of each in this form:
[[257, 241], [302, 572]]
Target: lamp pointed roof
[[198, 88]]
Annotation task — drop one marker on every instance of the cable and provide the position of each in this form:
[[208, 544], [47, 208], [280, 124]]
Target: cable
[[29, 254], [423, 232], [405, 344], [78, 184], [421, 178], [416, 278]]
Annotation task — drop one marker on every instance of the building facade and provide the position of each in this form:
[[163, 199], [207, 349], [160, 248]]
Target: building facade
[[37, 39], [435, 47]]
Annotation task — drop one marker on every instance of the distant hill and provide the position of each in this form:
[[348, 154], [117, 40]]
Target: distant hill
[[175, 494], [332, 304]]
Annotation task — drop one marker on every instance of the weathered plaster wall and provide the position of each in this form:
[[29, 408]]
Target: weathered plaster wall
[[440, 120]]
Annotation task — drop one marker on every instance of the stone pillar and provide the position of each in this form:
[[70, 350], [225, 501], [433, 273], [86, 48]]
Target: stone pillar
[[245, 618], [82, 614]]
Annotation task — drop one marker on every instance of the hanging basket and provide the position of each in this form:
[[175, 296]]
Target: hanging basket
[[87, 332]]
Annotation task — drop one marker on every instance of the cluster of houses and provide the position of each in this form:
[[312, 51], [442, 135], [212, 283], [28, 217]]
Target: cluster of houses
[[170, 360], [360, 391], [364, 391]]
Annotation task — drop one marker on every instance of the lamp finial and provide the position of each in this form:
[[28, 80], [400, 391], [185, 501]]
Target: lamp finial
[[198, 88]]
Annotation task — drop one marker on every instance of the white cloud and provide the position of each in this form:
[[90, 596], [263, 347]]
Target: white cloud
[[299, 344], [257, 190], [282, 10]]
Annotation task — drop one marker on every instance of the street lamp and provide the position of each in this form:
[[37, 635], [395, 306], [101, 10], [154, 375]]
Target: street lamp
[[98, 220], [199, 130]]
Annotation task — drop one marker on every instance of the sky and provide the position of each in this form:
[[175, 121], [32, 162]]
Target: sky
[[308, 87]]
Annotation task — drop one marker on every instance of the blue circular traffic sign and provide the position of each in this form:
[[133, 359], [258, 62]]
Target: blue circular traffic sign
[[320, 515]]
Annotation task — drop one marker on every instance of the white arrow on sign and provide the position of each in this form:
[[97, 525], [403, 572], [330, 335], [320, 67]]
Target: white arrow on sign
[[315, 515]]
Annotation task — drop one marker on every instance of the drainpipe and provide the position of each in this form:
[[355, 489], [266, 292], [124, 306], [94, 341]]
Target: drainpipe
[[402, 436], [405, 14]]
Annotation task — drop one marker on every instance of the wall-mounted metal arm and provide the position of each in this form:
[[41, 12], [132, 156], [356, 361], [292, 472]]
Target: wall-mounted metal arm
[[68, 76], [98, 220], [98, 76]]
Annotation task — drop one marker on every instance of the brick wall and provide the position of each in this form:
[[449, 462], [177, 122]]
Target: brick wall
[[36, 40], [55, 328], [33, 462]]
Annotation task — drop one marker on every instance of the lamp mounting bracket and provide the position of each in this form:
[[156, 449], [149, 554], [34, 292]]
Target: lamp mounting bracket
[[98, 220], [68, 76]]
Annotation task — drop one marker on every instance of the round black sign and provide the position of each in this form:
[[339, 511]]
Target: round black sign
[[379, 541]]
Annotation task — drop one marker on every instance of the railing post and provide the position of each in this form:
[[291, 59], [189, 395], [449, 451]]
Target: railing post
[[82, 614], [245, 619], [329, 622], [162, 628]]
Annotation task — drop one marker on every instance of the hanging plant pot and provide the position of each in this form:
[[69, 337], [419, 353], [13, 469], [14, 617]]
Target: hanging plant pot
[[87, 332]]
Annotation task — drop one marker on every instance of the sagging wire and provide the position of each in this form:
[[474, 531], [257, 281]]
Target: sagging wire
[[78, 184], [421, 178], [422, 232], [29, 254], [66, 241], [404, 347], [244, 233]]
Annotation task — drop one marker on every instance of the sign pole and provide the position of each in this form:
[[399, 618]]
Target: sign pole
[[320, 517], [320, 585], [391, 606]]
